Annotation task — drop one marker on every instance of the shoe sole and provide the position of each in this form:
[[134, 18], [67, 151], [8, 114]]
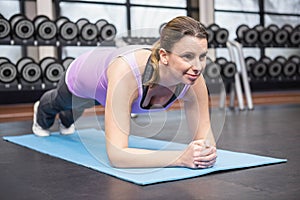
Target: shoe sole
[[44, 133]]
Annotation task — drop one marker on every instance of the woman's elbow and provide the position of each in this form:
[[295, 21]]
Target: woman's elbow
[[114, 162], [116, 159]]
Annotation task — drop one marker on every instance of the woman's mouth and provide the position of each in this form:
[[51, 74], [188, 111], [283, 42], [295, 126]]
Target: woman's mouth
[[192, 77]]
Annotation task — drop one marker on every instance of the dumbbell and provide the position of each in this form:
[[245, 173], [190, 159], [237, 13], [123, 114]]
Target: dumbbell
[[228, 68], [296, 60], [29, 71], [256, 68], [67, 30], [210, 36], [247, 35], [52, 70], [265, 36], [44, 27], [275, 67], [250, 62], [106, 31], [259, 69], [22, 27], [5, 28], [8, 71], [217, 35], [240, 32], [87, 31], [295, 36], [212, 69], [221, 36], [289, 28], [66, 62], [281, 34], [290, 67]]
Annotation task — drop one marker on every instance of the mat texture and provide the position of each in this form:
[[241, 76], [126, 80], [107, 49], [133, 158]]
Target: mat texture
[[87, 148]]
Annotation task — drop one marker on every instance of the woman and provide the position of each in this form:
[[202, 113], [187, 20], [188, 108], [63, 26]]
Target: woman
[[135, 80]]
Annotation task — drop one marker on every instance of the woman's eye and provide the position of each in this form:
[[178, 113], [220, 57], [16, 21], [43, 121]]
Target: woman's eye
[[188, 56], [202, 58]]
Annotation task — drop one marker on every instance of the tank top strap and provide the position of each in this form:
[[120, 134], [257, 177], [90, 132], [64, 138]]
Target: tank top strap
[[130, 59]]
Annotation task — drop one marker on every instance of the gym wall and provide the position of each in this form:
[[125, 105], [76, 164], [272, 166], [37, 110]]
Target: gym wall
[[106, 21]]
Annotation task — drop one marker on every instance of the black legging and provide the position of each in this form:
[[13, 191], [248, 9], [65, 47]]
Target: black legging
[[61, 100]]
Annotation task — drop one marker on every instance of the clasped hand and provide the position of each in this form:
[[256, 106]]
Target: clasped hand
[[199, 154]]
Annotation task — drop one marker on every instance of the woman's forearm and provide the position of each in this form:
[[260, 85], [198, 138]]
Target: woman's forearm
[[141, 158], [198, 154]]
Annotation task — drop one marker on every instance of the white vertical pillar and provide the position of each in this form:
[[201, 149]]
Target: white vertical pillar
[[45, 7], [206, 17], [30, 12], [206, 12]]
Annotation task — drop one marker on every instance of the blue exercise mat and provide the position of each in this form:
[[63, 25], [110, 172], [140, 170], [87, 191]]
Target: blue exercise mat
[[87, 148]]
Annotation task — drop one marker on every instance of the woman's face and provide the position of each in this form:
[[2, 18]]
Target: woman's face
[[187, 59]]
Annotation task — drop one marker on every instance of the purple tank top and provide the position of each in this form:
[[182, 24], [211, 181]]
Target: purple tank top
[[86, 77]]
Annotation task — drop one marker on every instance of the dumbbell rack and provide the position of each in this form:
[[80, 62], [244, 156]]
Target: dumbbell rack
[[271, 37], [20, 31], [230, 76], [261, 38], [235, 79]]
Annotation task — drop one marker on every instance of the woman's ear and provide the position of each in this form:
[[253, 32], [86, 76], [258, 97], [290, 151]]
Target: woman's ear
[[163, 56]]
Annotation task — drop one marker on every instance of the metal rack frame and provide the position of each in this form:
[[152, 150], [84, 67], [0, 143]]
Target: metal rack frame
[[241, 80]]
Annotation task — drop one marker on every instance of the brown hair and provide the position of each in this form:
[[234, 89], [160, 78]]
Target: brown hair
[[171, 33]]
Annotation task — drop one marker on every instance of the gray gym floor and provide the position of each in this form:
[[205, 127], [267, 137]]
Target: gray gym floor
[[267, 130]]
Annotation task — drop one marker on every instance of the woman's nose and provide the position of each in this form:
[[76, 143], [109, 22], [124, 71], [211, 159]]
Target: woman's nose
[[198, 66], [196, 70]]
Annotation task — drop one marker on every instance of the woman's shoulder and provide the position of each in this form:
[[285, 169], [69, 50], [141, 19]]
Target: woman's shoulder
[[124, 50], [134, 58]]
